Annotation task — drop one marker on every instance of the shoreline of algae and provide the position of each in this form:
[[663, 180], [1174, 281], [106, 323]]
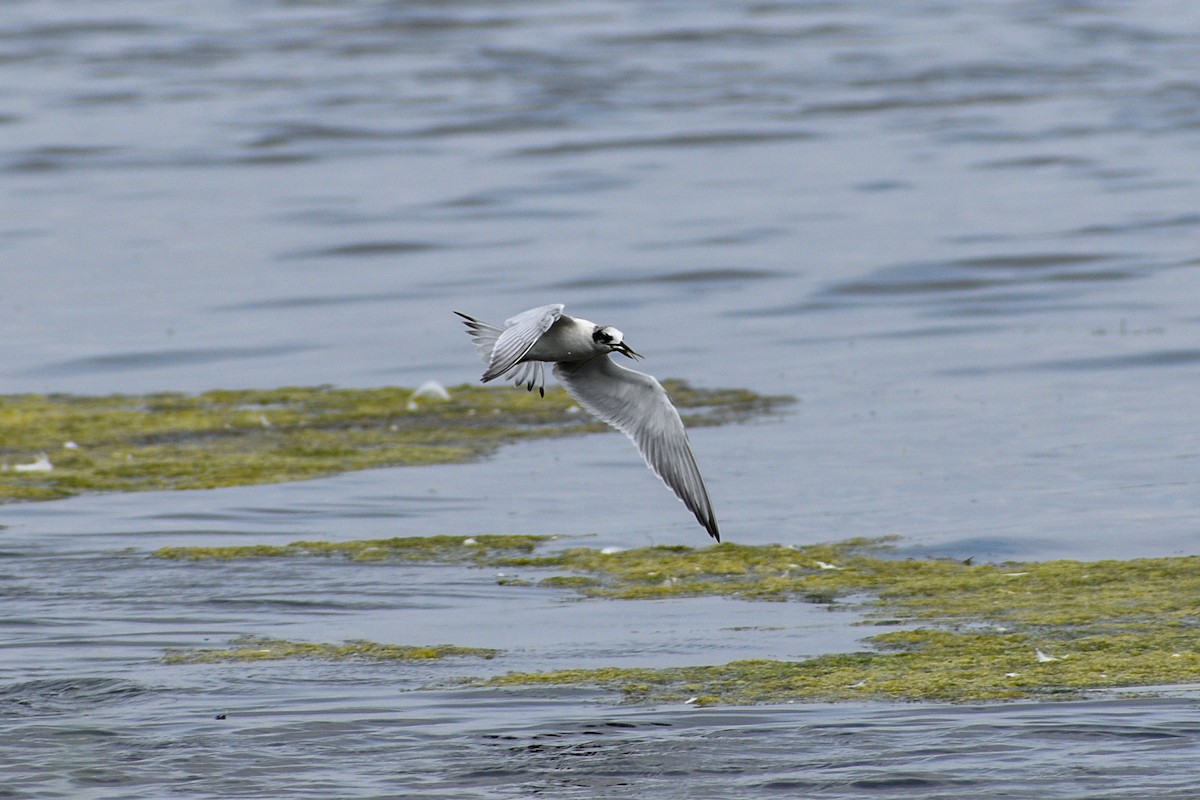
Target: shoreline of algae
[[260, 648], [54, 446], [956, 632], [483, 550]]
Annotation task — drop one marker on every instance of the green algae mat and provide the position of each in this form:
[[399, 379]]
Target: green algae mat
[[258, 648], [54, 446], [949, 631], [946, 630]]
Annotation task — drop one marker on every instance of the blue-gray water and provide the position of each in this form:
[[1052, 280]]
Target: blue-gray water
[[965, 235]]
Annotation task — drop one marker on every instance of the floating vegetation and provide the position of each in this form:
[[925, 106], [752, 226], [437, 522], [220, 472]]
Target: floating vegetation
[[750, 572], [253, 648], [954, 631], [59, 445], [482, 550], [925, 664], [983, 632]]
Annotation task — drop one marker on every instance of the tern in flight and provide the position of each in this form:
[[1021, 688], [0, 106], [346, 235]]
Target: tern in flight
[[632, 402]]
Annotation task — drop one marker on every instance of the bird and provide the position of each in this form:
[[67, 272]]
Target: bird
[[630, 401]]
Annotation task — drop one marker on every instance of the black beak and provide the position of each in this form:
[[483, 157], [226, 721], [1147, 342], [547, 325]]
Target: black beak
[[626, 351]]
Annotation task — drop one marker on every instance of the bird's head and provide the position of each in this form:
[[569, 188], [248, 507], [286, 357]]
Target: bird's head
[[614, 340]]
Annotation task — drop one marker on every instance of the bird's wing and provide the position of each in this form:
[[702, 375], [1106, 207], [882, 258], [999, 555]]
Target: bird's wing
[[502, 348], [637, 405], [483, 335], [520, 333]]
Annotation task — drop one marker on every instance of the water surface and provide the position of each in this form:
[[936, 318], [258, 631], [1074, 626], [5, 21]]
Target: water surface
[[963, 236]]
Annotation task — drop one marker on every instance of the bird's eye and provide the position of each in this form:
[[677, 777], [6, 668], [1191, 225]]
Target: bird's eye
[[602, 336]]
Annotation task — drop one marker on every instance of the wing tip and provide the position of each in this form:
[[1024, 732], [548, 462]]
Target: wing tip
[[711, 527]]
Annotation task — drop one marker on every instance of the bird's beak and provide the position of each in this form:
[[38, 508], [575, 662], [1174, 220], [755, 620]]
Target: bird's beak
[[626, 351]]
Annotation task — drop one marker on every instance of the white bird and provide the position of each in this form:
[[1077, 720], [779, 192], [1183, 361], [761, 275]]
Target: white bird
[[632, 402]]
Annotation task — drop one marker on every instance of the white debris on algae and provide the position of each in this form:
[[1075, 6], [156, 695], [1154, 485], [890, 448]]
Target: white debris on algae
[[430, 389], [40, 464]]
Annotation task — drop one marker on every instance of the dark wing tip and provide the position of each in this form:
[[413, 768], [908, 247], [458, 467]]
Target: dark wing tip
[[712, 530]]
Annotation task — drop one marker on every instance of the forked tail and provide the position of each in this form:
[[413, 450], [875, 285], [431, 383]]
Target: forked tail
[[483, 335]]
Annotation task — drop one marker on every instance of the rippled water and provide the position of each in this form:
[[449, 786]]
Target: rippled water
[[964, 235]]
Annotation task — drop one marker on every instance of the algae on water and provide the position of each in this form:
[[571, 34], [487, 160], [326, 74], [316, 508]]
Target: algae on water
[[954, 631], [948, 630], [482, 550], [234, 438], [257, 648], [968, 632]]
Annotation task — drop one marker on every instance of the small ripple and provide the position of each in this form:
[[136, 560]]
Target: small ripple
[[884, 186], [731, 239], [51, 158], [289, 133], [1154, 358], [739, 36], [261, 604], [1032, 260], [115, 98], [66, 695], [162, 359], [492, 124], [688, 276], [1189, 220], [273, 159], [666, 141], [1076, 731], [931, 285], [891, 335], [1171, 107], [1016, 72], [77, 29], [189, 53], [971, 276], [315, 301], [1036, 162], [1143, 360], [905, 103], [369, 249], [910, 782]]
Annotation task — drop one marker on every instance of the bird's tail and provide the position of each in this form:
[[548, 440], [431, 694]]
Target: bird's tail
[[483, 335]]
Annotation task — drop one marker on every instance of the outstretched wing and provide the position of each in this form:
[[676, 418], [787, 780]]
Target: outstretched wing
[[637, 405], [503, 349]]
